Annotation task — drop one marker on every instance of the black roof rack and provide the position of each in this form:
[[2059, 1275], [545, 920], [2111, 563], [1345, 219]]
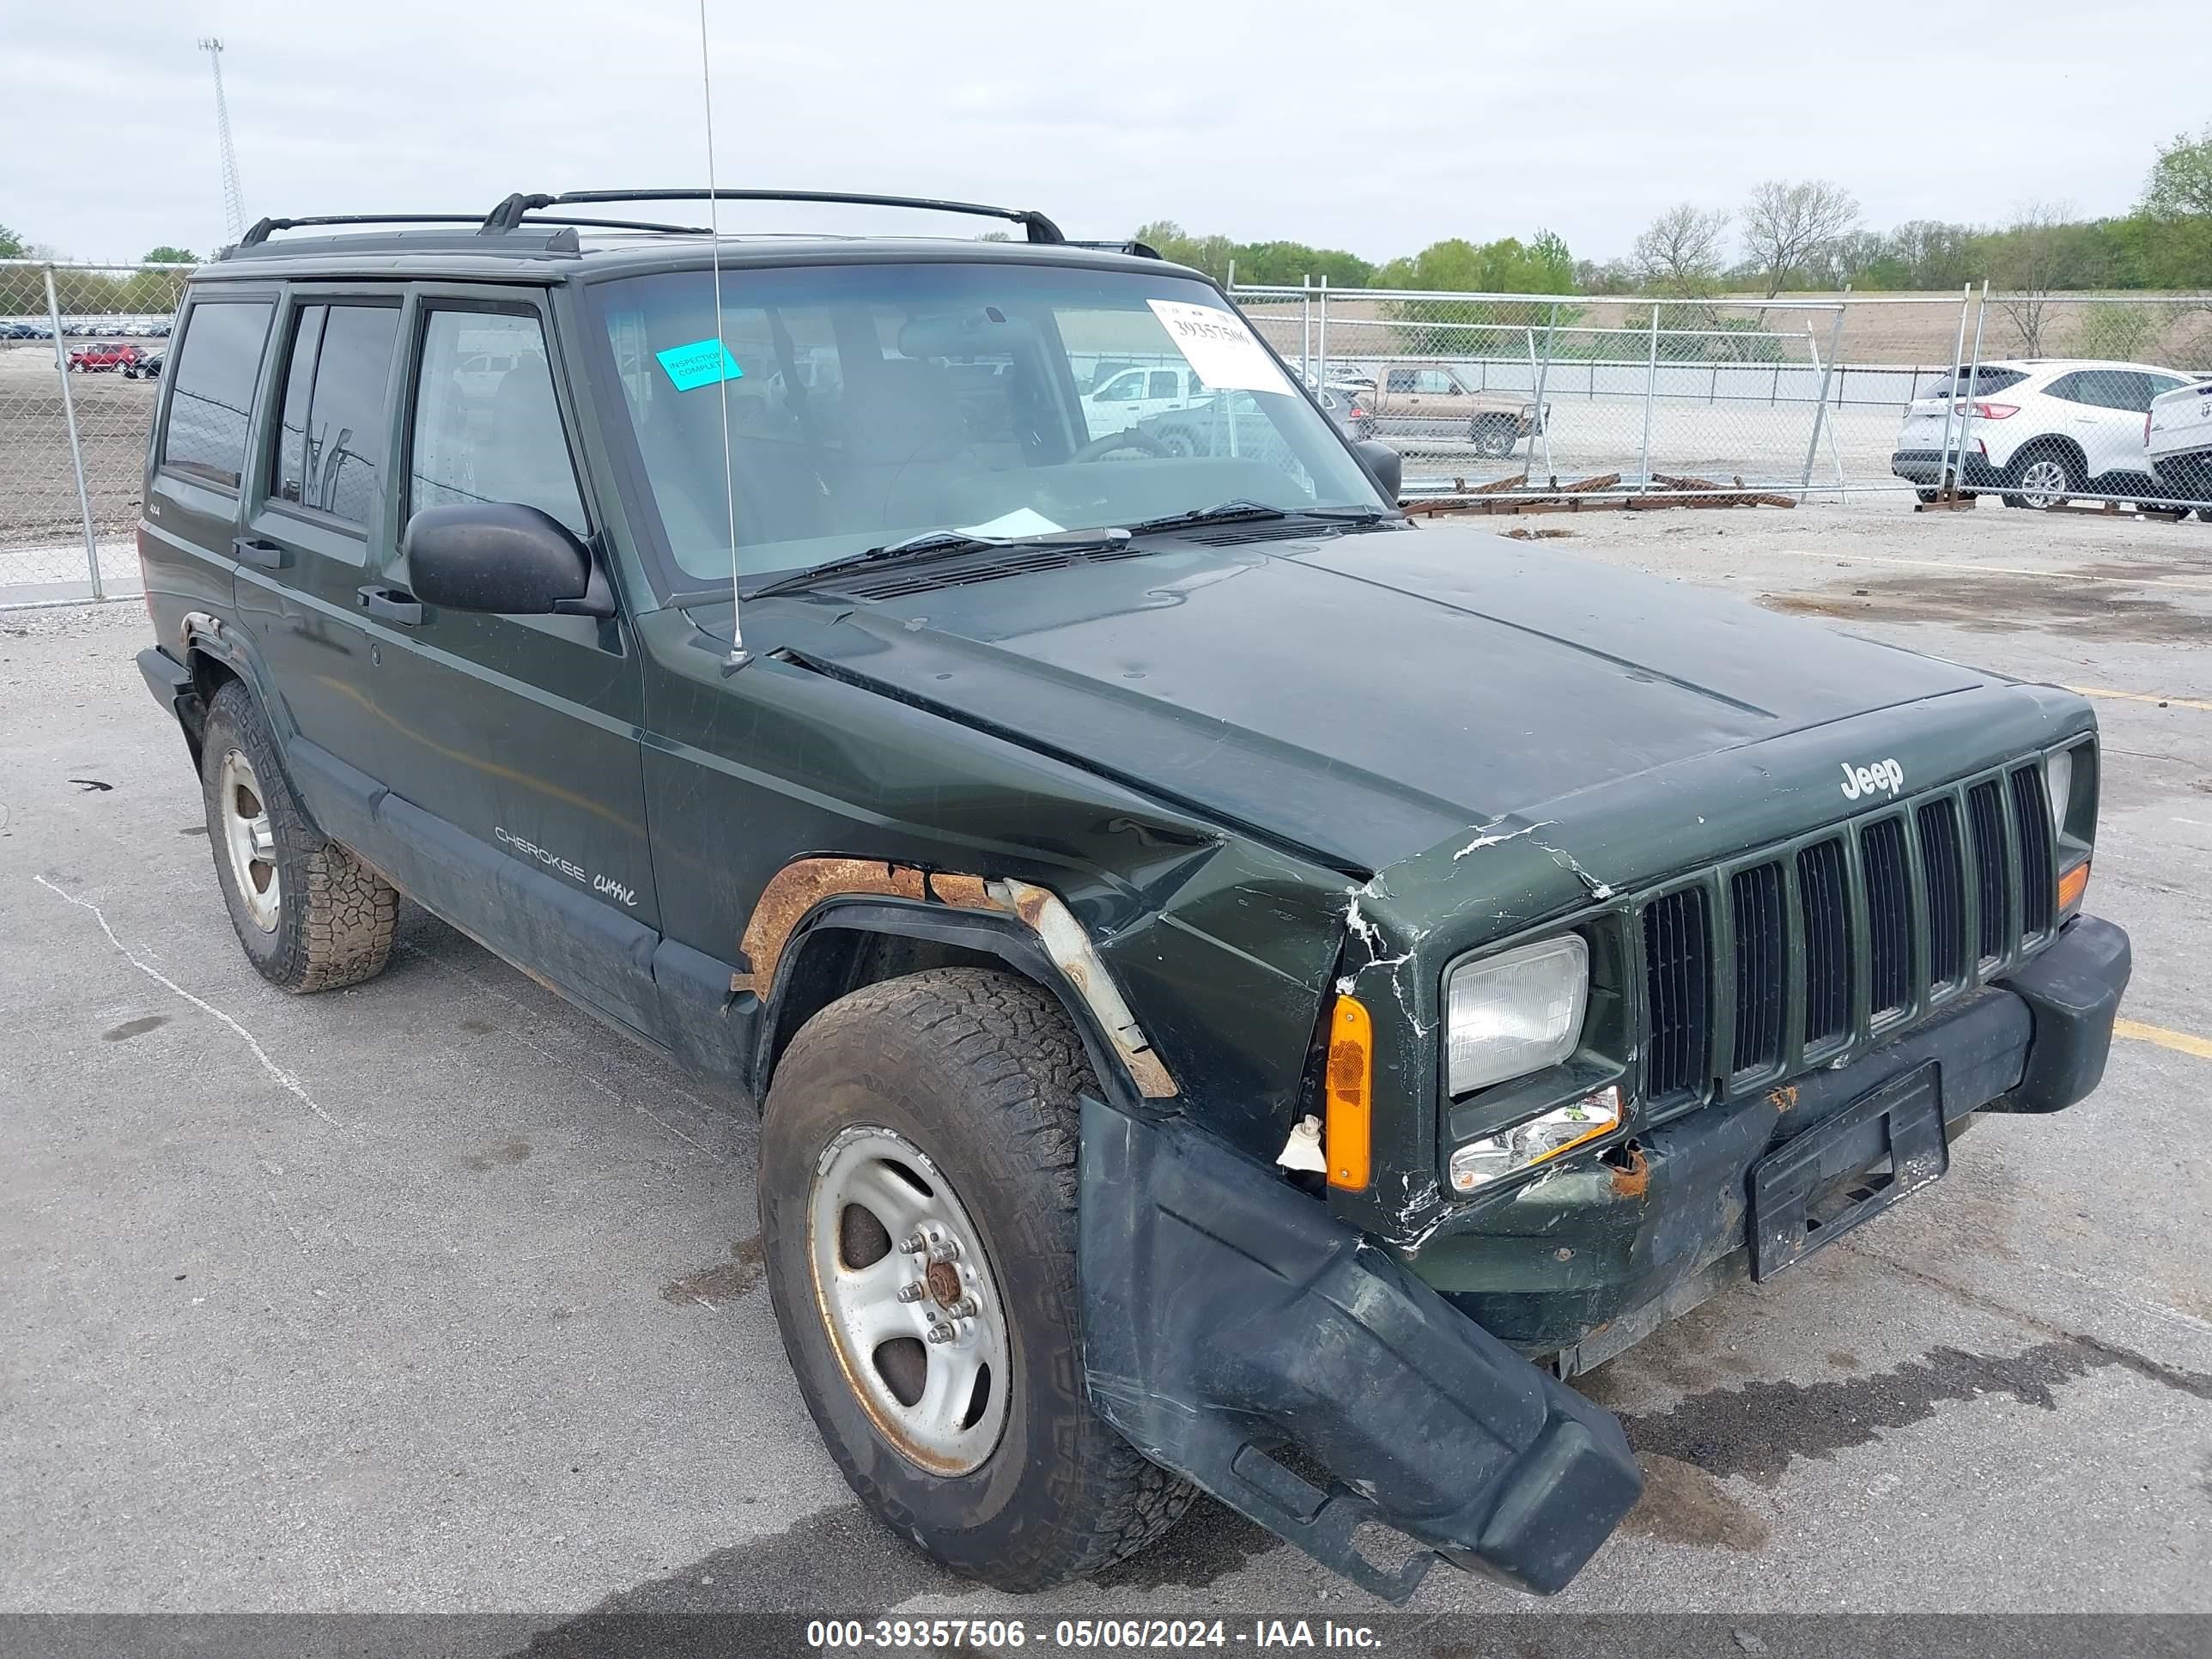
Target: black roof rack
[[520, 213], [510, 213]]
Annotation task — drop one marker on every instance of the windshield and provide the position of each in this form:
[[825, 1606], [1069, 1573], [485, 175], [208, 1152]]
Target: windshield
[[873, 402]]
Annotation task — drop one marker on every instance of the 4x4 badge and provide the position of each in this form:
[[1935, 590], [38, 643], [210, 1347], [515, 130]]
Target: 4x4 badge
[[1883, 774]]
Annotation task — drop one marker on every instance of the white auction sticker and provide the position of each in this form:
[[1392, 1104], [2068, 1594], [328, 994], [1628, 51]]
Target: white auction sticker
[[1218, 344]]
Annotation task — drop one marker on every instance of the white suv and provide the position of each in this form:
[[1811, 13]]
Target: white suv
[[2177, 438], [2041, 429]]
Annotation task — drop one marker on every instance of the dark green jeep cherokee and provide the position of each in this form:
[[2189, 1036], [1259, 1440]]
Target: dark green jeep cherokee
[[1243, 991]]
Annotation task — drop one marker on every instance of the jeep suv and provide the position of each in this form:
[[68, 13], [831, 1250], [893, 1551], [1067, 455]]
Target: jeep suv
[[1243, 992]]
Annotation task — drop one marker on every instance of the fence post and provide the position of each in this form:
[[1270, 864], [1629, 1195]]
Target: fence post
[[1973, 378], [1543, 376], [1821, 409], [1951, 391], [76, 449], [1650, 390], [1306, 325], [1321, 335]]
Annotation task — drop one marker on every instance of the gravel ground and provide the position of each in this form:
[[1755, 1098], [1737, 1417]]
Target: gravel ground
[[430, 1295]]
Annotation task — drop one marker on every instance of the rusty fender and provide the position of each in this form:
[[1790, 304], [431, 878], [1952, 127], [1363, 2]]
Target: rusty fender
[[803, 884]]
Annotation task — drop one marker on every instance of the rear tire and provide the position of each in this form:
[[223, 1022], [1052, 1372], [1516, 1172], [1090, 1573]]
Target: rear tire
[[309, 916], [2043, 476], [961, 1085], [1494, 438]]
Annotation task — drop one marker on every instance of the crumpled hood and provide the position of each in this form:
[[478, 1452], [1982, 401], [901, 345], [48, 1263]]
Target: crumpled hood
[[1364, 697]]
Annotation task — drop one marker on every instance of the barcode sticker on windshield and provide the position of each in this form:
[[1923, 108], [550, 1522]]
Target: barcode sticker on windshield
[[1218, 344], [696, 364]]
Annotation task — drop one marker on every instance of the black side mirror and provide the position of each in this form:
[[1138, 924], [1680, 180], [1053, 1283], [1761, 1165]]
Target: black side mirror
[[504, 558], [1383, 463]]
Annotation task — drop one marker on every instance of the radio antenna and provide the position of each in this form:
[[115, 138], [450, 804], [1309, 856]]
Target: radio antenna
[[739, 655]]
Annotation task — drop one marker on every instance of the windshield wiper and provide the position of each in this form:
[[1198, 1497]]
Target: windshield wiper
[[940, 545], [1246, 511]]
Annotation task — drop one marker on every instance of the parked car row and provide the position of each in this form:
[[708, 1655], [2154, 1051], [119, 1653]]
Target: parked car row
[[2039, 430], [143, 328]]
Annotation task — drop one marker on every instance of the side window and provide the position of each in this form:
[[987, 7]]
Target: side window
[[2133, 391], [1123, 388], [2160, 385], [345, 412], [290, 483], [1436, 382], [489, 436], [211, 402], [2068, 386], [1165, 384], [1399, 380]]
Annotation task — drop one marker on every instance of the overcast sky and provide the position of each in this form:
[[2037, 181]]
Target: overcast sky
[[1379, 128]]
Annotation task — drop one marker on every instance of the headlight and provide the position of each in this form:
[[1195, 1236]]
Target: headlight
[[2059, 784], [1515, 1012], [1545, 1136]]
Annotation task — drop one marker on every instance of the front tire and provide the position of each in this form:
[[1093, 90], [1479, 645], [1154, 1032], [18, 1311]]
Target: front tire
[[309, 916], [918, 1176]]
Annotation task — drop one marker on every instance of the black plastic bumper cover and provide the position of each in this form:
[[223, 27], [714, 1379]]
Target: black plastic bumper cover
[[2073, 990], [1228, 1316]]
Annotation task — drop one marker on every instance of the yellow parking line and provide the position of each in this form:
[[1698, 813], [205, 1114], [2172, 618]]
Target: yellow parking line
[[2179, 1041], [2140, 696]]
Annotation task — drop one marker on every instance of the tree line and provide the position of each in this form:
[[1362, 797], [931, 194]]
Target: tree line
[[1786, 234]]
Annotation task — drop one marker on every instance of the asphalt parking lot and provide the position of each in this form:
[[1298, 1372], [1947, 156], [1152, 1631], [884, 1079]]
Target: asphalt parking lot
[[430, 1295]]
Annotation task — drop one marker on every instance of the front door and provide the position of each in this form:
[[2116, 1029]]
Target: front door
[[511, 743]]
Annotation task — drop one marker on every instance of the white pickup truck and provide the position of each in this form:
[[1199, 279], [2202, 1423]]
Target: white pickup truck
[[2177, 442], [1137, 394]]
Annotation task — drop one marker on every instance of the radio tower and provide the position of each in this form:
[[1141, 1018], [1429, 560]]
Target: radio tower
[[234, 202]]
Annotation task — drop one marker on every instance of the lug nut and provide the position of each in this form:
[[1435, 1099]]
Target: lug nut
[[963, 1309], [941, 1332], [912, 1292], [914, 1244], [944, 1249]]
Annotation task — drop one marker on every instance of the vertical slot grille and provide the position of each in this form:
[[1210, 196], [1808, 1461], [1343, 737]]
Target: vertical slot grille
[[1826, 901], [1942, 857], [1985, 816], [1889, 916], [1678, 956], [1755, 898], [2038, 871]]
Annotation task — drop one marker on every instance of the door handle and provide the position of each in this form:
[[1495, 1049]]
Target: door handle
[[391, 605], [252, 549]]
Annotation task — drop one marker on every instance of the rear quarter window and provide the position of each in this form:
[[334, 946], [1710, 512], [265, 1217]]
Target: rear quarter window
[[215, 366]]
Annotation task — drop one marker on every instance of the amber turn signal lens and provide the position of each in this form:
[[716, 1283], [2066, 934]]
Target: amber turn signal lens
[[2072, 884], [1346, 1130]]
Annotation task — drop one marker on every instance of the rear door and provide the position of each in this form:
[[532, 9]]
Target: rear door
[[2111, 430], [318, 521], [511, 743], [198, 465]]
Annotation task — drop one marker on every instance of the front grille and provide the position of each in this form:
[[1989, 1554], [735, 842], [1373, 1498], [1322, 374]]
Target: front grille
[[1985, 807], [1824, 893], [1812, 949], [2032, 808], [1943, 862], [1761, 938], [1678, 958], [1889, 916]]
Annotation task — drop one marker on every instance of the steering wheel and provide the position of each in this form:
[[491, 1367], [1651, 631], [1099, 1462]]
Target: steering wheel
[[1098, 448]]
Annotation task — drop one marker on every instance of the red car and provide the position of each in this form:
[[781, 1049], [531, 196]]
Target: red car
[[85, 359]]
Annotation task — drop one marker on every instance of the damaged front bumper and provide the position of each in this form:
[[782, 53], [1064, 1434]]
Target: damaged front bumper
[[1235, 1331], [1588, 1260]]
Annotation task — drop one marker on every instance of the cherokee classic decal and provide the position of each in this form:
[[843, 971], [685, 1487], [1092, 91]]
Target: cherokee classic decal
[[1884, 776], [605, 886]]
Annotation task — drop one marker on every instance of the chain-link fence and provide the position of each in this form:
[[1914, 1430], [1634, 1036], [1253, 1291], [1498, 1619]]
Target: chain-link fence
[[82, 350], [1847, 394]]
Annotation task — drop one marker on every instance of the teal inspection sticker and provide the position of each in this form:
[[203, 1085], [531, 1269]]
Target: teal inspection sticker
[[696, 364]]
